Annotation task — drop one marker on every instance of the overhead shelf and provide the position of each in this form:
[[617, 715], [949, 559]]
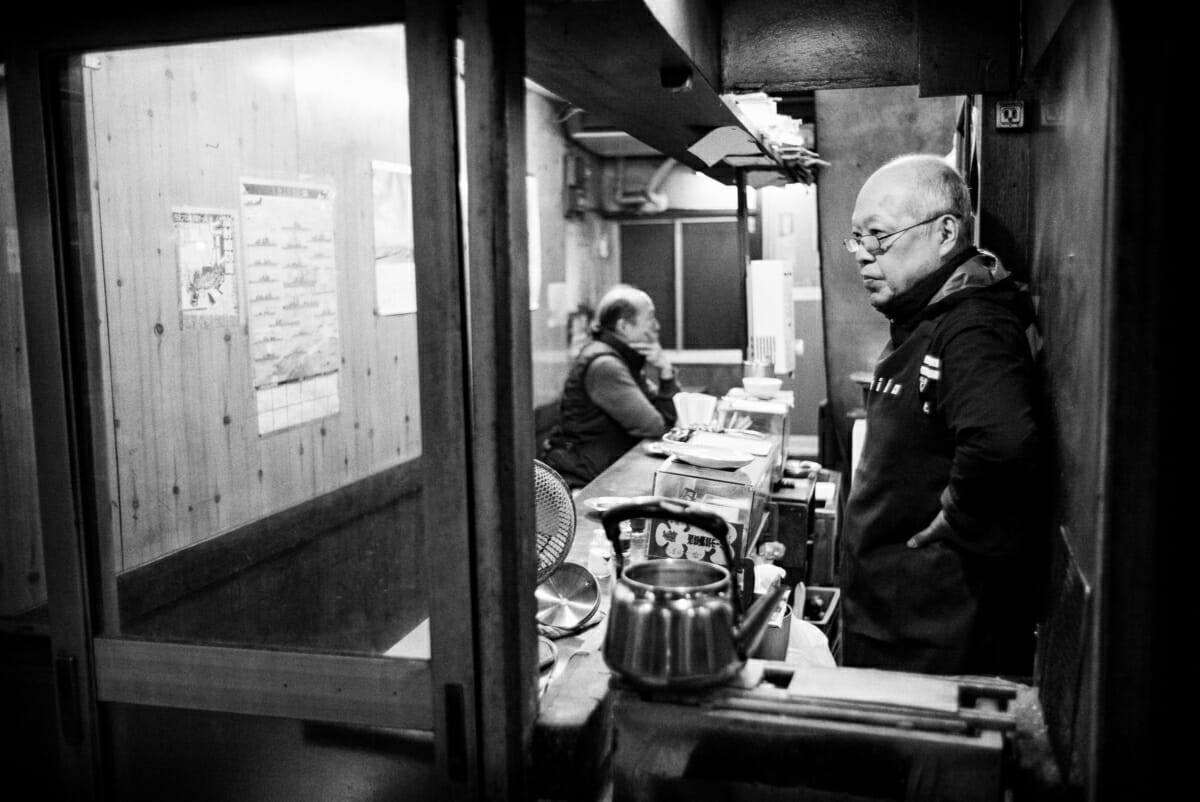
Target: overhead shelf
[[616, 60]]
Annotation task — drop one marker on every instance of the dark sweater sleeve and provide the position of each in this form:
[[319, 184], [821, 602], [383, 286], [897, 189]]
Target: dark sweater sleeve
[[988, 398], [611, 386]]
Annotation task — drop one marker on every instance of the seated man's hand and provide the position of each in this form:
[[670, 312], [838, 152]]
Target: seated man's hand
[[654, 354]]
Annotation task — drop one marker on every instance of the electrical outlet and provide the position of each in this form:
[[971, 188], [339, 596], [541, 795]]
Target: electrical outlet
[[1010, 115]]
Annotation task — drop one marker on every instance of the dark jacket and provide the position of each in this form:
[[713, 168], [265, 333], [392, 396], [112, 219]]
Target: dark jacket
[[606, 408], [953, 424]]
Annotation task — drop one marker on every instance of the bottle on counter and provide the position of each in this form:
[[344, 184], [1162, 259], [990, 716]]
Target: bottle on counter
[[638, 537], [600, 555]]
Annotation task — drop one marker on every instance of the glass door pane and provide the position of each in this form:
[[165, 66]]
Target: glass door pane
[[648, 262], [713, 285], [242, 282], [250, 257]]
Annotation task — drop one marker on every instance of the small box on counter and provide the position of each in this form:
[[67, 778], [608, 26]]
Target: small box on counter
[[739, 496], [826, 528], [790, 523], [821, 610]]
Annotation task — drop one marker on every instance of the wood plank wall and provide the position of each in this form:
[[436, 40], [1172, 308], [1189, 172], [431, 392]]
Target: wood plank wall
[[577, 255], [1071, 225], [22, 576], [544, 154], [179, 126], [345, 572]]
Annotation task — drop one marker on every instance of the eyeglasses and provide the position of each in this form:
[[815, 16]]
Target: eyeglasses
[[873, 243]]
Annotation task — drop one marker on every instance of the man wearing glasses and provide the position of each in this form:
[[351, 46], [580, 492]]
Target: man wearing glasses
[[943, 520], [608, 403]]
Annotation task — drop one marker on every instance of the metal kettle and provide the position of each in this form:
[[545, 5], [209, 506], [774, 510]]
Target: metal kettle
[[675, 623]]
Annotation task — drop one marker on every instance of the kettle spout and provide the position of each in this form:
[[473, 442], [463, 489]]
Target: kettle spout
[[747, 635]]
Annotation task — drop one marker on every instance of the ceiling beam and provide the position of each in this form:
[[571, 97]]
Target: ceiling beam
[[789, 45]]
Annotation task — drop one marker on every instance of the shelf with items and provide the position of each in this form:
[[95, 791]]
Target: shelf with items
[[646, 75], [770, 148]]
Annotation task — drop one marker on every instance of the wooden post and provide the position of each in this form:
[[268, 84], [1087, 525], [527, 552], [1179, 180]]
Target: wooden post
[[501, 393], [60, 486], [430, 31], [743, 233]]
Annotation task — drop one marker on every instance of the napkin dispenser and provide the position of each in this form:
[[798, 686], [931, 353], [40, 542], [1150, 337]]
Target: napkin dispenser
[[694, 409]]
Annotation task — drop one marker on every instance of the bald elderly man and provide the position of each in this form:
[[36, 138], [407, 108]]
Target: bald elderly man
[[940, 572], [608, 405]]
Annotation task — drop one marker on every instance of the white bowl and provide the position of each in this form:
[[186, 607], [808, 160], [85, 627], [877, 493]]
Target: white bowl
[[762, 386]]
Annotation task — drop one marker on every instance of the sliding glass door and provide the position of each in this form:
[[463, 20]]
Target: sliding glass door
[[253, 417]]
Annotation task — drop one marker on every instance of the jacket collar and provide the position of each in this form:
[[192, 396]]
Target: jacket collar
[[904, 308], [631, 357]]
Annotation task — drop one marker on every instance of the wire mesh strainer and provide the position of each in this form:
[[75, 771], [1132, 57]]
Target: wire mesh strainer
[[555, 518]]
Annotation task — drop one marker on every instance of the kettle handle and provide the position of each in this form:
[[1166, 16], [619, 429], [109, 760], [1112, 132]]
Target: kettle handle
[[677, 510]]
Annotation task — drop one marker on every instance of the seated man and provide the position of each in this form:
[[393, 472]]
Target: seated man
[[607, 403]]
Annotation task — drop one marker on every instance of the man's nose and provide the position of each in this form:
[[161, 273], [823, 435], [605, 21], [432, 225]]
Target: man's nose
[[862, 256]]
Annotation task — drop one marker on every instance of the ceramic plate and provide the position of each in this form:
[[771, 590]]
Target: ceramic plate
[[603, 503], [709, 457]]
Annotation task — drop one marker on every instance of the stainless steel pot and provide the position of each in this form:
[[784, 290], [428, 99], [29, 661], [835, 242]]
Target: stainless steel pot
[[677, 624]]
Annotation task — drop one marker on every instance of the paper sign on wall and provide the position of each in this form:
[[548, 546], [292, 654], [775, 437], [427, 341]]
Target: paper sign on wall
[[395, 268], [291, 287], [207, 263]]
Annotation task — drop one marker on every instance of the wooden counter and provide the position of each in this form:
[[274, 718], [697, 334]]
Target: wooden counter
[[575, 755], [573, 733]]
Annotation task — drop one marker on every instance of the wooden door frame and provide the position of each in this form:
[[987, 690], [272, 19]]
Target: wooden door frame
[[54, 431], [473, 333], [500, 383]]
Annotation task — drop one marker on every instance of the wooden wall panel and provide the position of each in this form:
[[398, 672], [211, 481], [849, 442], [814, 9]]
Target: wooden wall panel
[[22, 574], [1040, 21], [961, 51], [1071, 269], [330, 593], [1072, 230], [544, 154], [179, 126], [1004, 192]]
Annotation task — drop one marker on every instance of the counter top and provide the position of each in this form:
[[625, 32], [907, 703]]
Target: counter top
[[572, 736]]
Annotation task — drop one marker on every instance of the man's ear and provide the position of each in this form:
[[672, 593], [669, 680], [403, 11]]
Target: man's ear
[[949, 231]]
